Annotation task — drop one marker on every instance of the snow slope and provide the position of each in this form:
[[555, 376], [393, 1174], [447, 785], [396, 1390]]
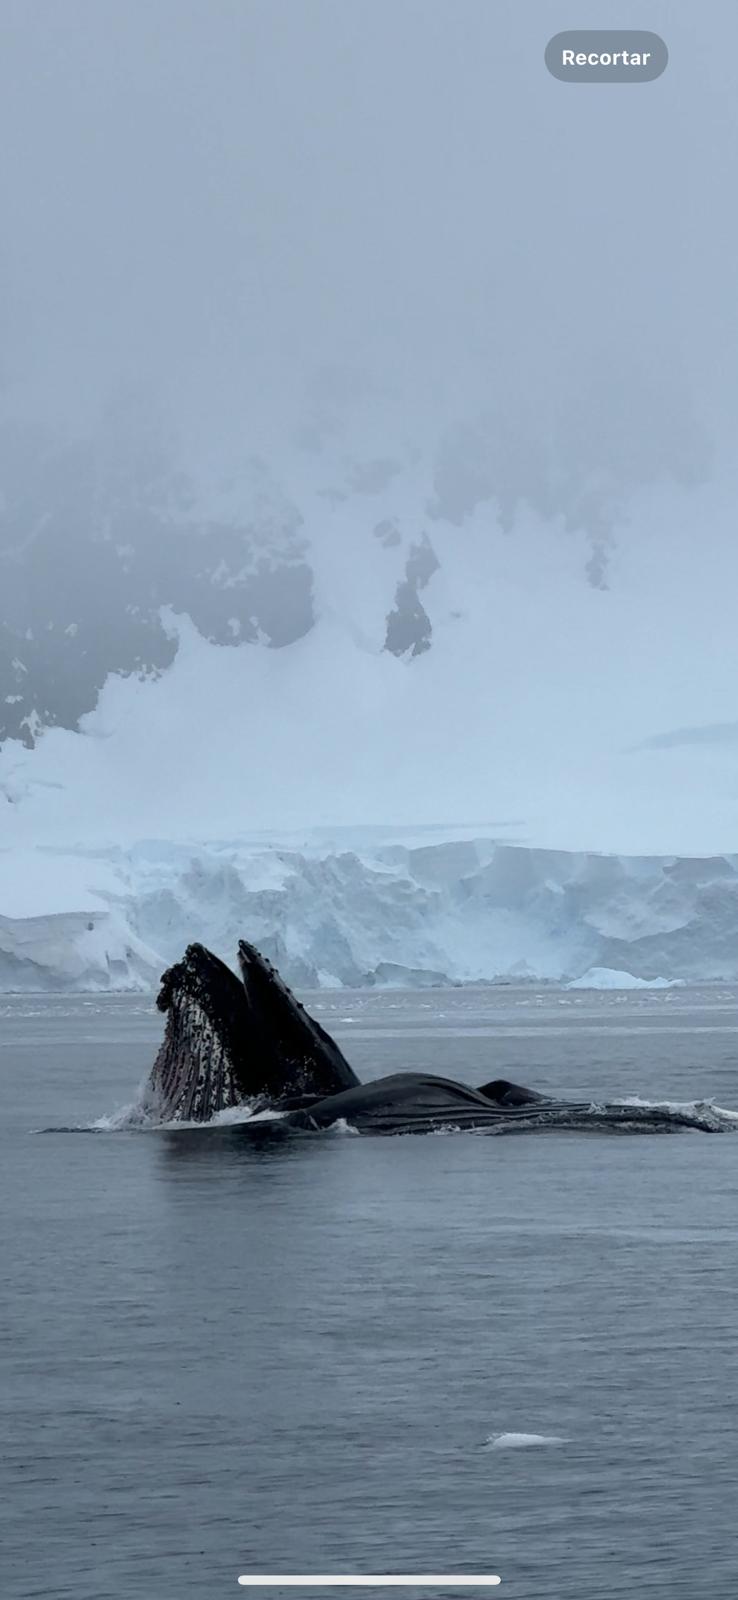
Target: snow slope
[[524, 714]]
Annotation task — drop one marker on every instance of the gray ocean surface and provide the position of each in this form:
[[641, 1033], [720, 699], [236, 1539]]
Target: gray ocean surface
[[224, 1355]]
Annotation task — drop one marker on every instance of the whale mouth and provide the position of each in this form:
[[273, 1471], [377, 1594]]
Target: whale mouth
[[228, 1041]]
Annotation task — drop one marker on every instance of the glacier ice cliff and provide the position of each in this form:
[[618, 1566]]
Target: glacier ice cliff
[[365, 912]]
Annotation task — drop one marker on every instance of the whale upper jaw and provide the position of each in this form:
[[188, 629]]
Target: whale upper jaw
[[298, 1056]]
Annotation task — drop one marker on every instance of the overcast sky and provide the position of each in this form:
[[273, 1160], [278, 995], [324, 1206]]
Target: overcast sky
[[255, 211], [218, 197]]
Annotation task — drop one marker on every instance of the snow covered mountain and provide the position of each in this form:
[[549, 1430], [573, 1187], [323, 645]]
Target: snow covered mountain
[[100, 534], [361, 465], [95, 539], [336, 635], [364, 631], [352, 520]]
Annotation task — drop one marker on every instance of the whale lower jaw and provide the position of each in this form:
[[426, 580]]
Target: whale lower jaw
[[551, 1116], [192, 1078]]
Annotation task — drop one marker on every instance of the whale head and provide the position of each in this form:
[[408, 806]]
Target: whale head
[[228, 1041]]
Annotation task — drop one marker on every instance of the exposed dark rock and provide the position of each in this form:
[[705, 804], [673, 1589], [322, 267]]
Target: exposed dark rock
[[408, 624]]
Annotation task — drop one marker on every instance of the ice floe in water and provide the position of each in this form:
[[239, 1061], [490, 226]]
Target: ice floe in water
[[610, 978], [522, 1441]]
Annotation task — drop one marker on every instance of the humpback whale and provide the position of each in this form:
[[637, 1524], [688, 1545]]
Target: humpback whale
[[231, 1040]]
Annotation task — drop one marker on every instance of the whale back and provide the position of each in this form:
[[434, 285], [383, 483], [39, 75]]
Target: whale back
[[503, 1093]]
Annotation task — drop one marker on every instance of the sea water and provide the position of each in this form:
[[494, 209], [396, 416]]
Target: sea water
[[225, 1354]]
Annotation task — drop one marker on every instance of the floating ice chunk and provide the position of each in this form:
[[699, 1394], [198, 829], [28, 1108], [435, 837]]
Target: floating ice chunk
[[610, 978], [522, 1441]]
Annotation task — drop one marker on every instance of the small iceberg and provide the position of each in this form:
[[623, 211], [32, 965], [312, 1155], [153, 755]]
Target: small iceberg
[[610, 978], [521, 1441]]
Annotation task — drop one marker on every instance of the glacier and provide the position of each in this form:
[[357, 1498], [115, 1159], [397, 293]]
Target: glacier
[[365, 908]]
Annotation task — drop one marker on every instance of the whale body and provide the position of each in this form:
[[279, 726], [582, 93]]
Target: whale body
[[246, 1040]]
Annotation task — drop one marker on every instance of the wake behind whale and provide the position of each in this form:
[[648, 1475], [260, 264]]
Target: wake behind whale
[[244, 1050]]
